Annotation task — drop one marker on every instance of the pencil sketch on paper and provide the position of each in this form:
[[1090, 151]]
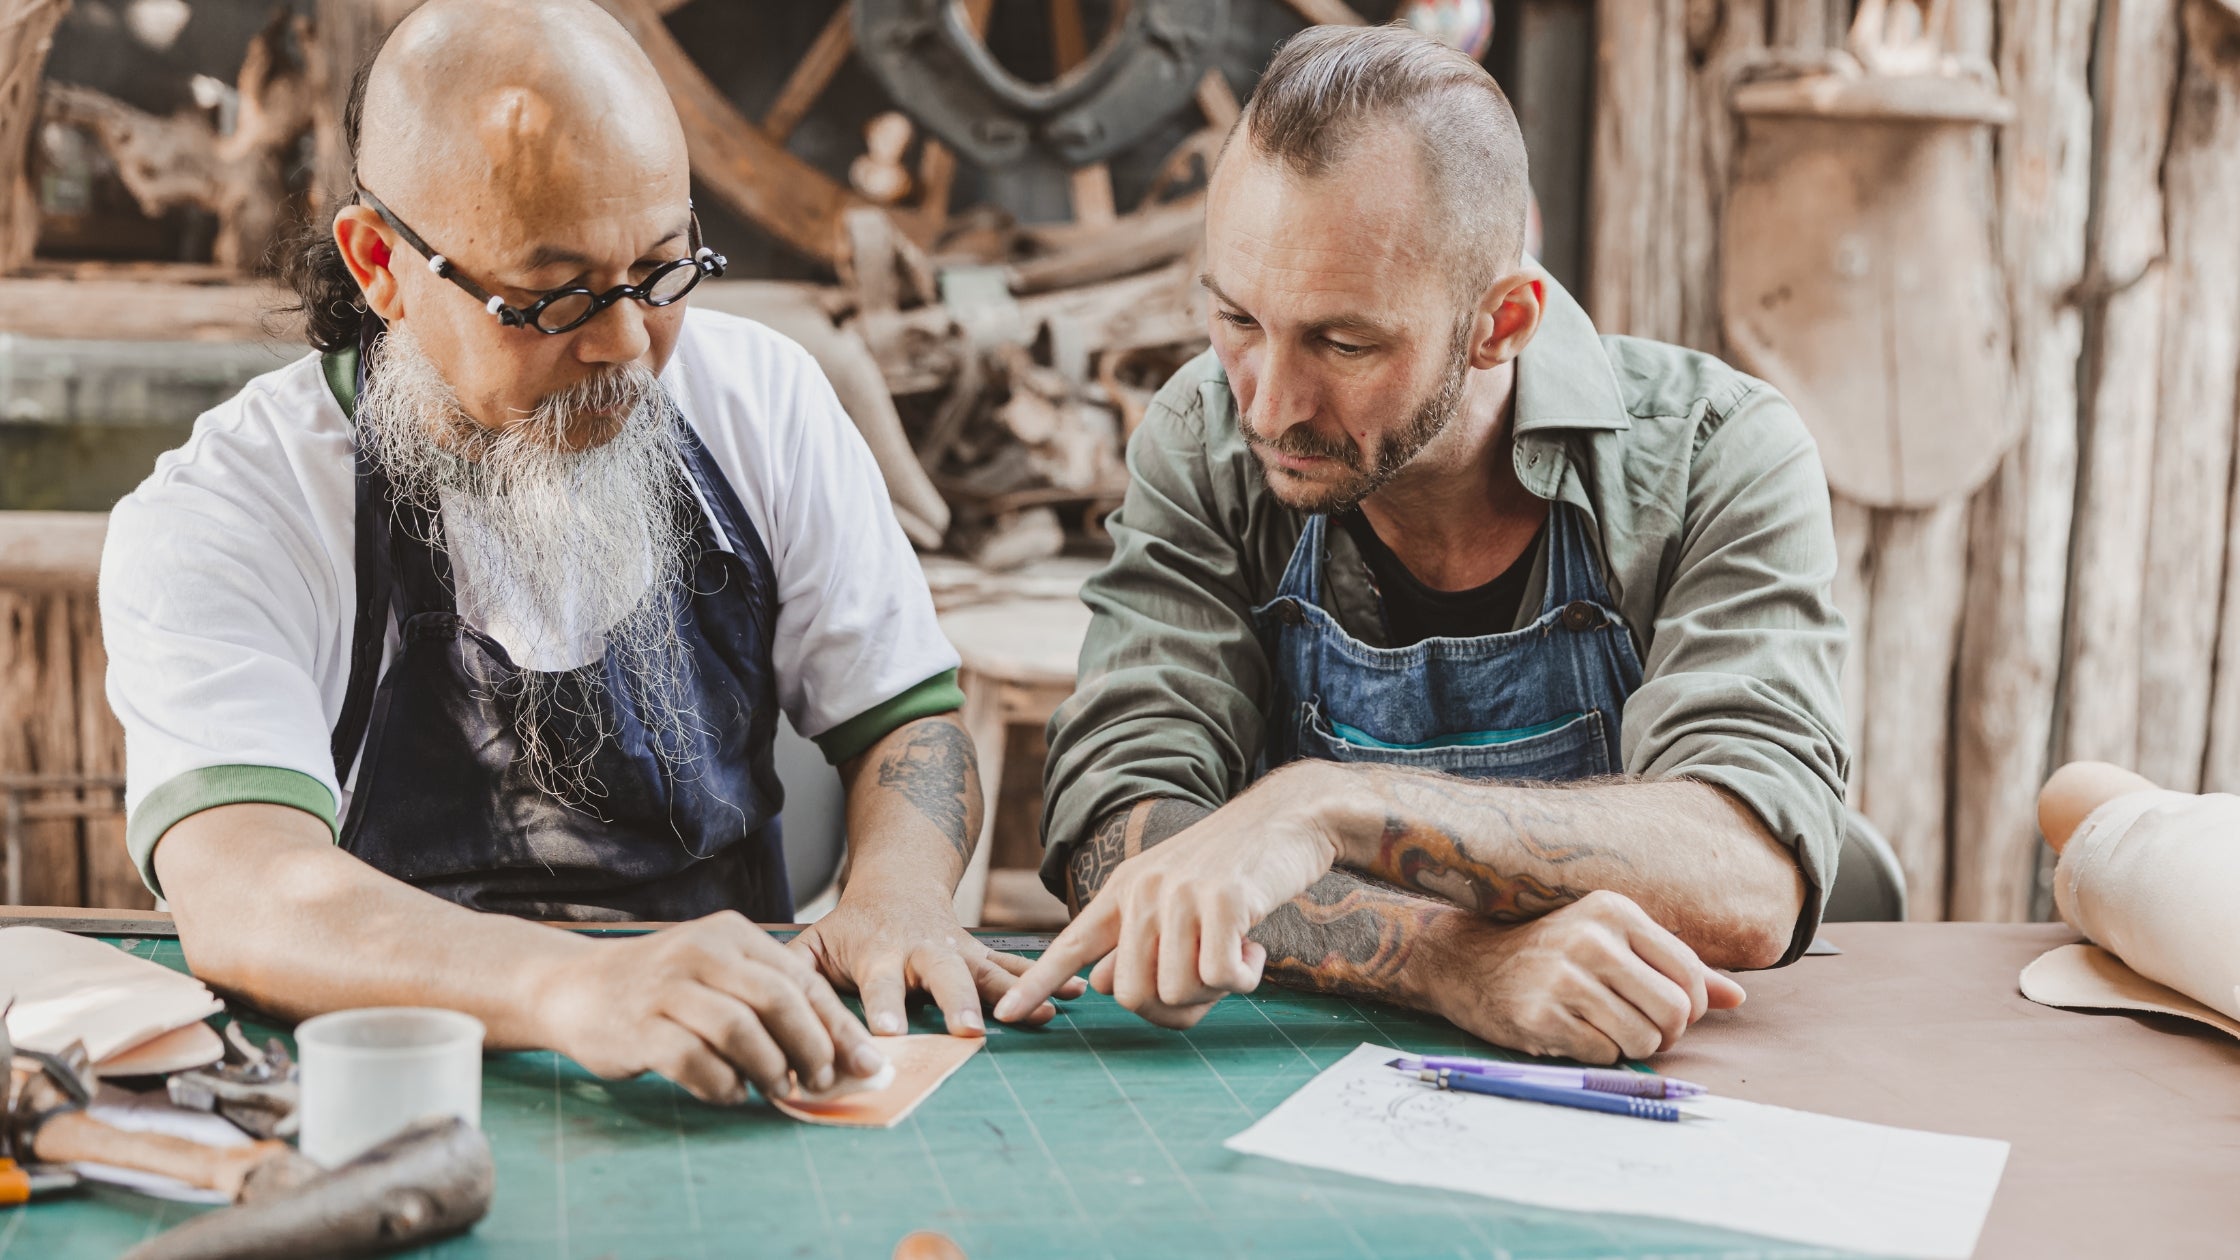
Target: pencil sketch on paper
[[1793, 1175]]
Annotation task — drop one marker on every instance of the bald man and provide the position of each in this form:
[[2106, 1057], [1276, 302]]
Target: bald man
[[485, 613]]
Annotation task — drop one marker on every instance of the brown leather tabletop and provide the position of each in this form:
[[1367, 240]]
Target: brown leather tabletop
[[2125, 1128]]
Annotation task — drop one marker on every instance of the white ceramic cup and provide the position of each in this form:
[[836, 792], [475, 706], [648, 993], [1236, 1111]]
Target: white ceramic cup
[[367, 1074]]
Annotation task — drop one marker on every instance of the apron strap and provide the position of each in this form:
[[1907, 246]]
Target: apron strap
[[345, 374], [728, 518]]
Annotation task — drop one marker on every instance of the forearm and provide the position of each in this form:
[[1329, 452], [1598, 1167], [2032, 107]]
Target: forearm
[[1689, 854], [914, 808], [270, 910]]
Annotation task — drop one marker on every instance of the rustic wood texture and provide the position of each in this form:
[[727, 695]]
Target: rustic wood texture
[[753, 174], [826, 54], [49, 551], [1633, 282], [1854, 596], [2194, 443], [102, 306], [38, 732], [1907, 652], [26, 32], [2010, 654], [111, 880], [2134, 71]]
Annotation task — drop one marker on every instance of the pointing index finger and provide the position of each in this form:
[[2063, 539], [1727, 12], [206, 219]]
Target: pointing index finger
[[1086, 940]]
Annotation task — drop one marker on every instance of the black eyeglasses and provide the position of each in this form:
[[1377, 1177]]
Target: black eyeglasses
[[563, 310]]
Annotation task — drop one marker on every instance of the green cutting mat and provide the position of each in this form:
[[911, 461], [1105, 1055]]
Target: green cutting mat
[[1099, 1136]]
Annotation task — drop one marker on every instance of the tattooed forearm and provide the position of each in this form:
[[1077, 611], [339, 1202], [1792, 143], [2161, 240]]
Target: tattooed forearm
[[1697, 859], [1124, 833], [1421, 854], [1345, 936], [937, 771]]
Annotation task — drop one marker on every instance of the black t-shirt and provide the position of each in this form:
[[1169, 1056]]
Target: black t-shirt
[[1414, 612]]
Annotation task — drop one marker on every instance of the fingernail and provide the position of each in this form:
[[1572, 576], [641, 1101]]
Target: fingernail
[[886, 1024], [866, 1060], [821, 1079], [1007, 1010], [971, 1020]]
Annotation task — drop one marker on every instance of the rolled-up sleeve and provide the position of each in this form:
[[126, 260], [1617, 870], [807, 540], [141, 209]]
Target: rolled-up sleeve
[[1173, 682], [1741, 684]]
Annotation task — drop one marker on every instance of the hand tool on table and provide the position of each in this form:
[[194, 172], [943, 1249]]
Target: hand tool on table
[[20, 1183], [432, 1180], [255, 1088], [45, 1120]]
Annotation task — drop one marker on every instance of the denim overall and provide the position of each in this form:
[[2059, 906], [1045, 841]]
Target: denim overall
[[441, 800], [1539, 703]]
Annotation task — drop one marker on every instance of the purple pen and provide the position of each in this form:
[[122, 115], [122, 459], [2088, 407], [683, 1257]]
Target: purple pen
[[1601, 1080]]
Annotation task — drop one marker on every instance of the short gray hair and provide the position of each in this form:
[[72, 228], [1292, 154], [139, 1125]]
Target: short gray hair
[[1329, 85]]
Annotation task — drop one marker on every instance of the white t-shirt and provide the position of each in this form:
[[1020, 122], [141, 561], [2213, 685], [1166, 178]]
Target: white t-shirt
[[229, 582]]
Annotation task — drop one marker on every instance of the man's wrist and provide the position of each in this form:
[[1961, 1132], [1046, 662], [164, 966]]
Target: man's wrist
[[1326, 798], [1424, 976], [539, 1007]]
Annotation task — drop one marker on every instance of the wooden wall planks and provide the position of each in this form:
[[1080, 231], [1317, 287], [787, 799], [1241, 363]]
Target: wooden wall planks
[[2086, 600]]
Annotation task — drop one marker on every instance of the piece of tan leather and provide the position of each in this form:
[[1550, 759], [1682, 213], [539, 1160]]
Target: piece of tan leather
[[2125, 1128]]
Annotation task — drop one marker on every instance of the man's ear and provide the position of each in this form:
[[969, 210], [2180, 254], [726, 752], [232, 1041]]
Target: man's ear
[[364, 241], [1507, 318]]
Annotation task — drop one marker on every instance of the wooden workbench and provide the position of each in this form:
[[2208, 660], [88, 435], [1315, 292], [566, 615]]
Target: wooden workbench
[[1101, 1136]]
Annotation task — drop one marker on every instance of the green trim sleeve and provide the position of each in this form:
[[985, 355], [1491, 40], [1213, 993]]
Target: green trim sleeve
[[210, 787], [931, 698]]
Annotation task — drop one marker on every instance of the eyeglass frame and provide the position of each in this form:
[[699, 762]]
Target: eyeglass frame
[[705, 262]]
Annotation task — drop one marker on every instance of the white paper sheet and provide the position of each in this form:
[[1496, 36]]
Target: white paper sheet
[[1744, 1166]]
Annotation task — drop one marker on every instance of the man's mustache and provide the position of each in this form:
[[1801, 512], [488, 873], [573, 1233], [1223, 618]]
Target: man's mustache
[[1300, 442]]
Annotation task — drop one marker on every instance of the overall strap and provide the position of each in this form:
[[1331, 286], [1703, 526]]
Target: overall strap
[[1574, 573], [1302, 577]]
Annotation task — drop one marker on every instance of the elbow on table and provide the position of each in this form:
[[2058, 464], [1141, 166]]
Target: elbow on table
[[1749, 943]]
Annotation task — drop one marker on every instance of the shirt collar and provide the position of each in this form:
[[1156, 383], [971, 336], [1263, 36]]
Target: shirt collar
[[1564, 379]]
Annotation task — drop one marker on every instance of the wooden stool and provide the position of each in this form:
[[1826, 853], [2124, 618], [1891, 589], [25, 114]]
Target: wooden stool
[[1019, 657]]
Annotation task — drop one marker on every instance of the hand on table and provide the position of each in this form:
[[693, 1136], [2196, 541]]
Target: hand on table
[[710, 1004], [1597, 980], [1167, 930], [883, 947]]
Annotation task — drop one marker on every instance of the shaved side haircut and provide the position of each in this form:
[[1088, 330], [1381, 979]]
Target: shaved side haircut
[[1331, 86]]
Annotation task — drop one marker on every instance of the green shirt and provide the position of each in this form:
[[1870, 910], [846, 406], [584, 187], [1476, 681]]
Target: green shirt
[[1707, 499]]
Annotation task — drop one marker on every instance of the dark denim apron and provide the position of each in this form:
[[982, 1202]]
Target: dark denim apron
[[441, 800], [1539, 703]]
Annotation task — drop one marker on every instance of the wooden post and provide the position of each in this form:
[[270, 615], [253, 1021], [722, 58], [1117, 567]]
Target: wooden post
[[26, 32], [2194, 444], [1633, 285], [2134, 72], [1854, 596], [2010, 642], [1912, 634]]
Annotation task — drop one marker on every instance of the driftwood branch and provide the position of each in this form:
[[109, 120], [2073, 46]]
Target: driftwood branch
[[26, 32], [181, 160]]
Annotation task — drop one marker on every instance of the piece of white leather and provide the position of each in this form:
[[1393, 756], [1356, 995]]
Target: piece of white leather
[[2154, 878], [2087, 977]]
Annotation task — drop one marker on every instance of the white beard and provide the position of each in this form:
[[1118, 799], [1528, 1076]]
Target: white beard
[[578, 555]]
